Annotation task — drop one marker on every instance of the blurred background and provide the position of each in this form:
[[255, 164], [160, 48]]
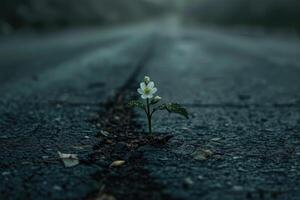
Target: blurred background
[[49, 14], [42, 14], [264, 13]]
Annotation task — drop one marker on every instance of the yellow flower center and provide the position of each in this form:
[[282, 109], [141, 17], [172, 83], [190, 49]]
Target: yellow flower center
[[147, 90]]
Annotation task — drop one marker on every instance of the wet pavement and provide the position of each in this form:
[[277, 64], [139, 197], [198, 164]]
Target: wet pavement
[[242, 92]]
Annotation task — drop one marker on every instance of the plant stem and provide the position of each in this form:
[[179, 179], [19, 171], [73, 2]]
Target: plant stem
[[149, 117]]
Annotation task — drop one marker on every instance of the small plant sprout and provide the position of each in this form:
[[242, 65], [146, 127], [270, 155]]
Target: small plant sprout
[[150, 103]]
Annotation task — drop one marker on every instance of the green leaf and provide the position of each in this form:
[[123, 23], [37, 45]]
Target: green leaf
[[136, 103], [174, 108]]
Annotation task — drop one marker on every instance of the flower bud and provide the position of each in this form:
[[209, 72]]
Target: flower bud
[[156, 99], [147, 79]]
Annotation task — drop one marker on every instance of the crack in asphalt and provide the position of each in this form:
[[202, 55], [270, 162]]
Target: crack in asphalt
[[132, 181], [39, 118]]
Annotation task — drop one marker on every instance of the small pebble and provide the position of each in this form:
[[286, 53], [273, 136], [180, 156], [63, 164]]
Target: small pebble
[[215, 139], [104, 133], [218, 157], [188, 182], [217, 185], [57, 119], [5, 173], [237, 188], [241, 169], [56, 187]]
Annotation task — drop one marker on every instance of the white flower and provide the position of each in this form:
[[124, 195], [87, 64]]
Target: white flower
[[147, 79], [147, 90]]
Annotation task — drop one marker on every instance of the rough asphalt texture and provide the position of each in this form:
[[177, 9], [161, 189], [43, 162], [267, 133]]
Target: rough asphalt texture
[[49, 109], [245, 92], [242, 91]]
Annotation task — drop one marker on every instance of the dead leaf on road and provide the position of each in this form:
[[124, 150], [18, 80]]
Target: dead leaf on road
[[202, 154], [69, 160], [117, 163]]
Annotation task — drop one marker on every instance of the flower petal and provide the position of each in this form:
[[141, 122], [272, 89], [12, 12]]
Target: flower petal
[[150, 85], [144, 96], [153, 91], [143, 85], [149, 96], [139, 90]]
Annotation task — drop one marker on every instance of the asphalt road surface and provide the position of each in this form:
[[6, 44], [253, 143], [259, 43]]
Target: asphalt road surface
[[242, 92]]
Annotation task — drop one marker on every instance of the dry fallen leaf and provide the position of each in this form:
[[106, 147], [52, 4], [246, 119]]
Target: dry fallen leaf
[[69, 160], [117, 163], [202, 154]]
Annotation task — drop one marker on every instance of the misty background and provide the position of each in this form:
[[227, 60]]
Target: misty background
[[44, 14], [266, 13]]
